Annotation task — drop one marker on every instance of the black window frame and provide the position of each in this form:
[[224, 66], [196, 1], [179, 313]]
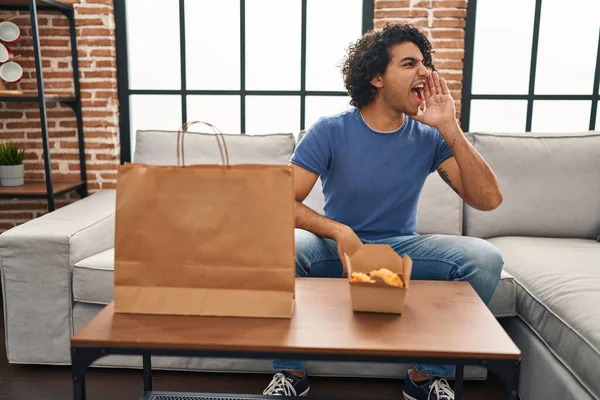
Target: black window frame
[[123, 72], [468, 96]]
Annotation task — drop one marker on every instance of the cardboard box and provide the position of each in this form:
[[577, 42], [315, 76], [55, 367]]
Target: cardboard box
[[378, 296]]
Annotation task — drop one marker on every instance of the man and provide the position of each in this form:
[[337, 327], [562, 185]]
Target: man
[[373, 161]]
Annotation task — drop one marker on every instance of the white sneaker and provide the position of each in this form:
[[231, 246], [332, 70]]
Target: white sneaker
[[286, 384]]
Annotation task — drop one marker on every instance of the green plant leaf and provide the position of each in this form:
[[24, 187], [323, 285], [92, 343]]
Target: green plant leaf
[[11, 154]]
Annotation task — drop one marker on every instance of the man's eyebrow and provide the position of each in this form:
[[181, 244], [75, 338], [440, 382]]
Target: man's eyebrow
[[412, 59]]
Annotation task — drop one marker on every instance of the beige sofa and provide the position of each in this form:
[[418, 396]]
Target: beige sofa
[[57, 270]]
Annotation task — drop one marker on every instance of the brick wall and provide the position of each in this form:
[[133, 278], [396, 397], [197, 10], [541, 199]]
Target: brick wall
[[444, 23], [97, 72]]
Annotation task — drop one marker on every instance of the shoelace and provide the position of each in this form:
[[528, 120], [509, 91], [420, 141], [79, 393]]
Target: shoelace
[[280, 386], [441, 389]]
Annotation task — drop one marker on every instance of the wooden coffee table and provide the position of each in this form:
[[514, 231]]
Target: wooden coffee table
[[442, 323]]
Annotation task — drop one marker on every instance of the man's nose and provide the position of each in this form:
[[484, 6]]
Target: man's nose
[[423, 71]]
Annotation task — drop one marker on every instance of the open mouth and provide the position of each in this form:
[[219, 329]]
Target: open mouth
[[418, 92]]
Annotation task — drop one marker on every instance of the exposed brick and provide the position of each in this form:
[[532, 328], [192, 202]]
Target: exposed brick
[[99, 103], [6, 114], [89, 22], [17, 215], [455, 13], [97, 85], [447, 33], [449, 4], [448, 23], [406, 13], [4, 226], [102, 53], [12, 135], [106, 157], [61, 22], [51, 114], [448, 64], [8, 206], [391, 4], [54, 32], [104, 32], [44, 42], [108, 42], [69, 156], [54, 75], [106, 95], [82, 10], [28, 64], [441, 53], [454, 85], [56, 52], [108, 176], [100, 74], [106, 64], [448, 44], [27, 124], [34, 176], [58, 85], [419, 23], [85, 63]]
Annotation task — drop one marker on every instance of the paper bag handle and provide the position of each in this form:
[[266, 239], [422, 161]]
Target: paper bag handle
[[218, 135]]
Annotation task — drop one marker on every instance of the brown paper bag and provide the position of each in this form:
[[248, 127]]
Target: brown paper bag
[[214, 240]]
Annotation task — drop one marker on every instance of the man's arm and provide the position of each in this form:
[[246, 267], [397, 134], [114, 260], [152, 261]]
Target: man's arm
[[306, 218], [309, 220], [468, 174]]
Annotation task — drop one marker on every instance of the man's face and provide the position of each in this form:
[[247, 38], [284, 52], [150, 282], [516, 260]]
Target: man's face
[[401, 86]]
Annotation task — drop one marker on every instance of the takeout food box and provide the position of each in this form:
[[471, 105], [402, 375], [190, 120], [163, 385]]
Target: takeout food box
[[379, 279]]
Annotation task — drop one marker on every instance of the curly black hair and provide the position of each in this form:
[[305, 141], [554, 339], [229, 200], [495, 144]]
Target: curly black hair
[[371, 54]]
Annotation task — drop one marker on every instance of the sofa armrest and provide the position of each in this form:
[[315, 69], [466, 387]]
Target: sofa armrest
[[36, 262]]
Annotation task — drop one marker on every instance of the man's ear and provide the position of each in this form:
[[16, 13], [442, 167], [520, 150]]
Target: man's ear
[[377, 81]]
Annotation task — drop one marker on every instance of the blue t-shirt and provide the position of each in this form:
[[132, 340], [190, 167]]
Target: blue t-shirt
[[371, 180]]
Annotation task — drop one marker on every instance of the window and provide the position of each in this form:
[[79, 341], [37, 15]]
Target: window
[[531, 66], [246, 66]]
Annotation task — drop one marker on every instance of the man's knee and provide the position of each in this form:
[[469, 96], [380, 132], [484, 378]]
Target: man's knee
[[316, 256], [305, 242], [487, 259], [482, 266]]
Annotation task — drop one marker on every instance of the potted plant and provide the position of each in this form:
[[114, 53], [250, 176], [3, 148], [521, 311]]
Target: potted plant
[[12, 172]]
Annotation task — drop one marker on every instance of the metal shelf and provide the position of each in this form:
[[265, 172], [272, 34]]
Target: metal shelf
[[37, 189], [48, 189], [41, 5], [29, 98]]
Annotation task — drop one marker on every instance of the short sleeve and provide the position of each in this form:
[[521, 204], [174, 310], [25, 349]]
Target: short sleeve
[[313, 152], [442, 151]]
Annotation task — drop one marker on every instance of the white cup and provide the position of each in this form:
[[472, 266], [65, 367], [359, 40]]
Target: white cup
[[9, 32], [11, 72]]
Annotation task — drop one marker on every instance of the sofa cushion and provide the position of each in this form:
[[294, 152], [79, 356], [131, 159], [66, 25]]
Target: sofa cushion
[[93, 278], [549, 183], [93, 282], [504, 300], [440, 210], [558, 286], [160, 148]]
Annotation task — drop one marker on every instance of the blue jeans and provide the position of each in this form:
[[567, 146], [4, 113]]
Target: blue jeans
[[435, 257]]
